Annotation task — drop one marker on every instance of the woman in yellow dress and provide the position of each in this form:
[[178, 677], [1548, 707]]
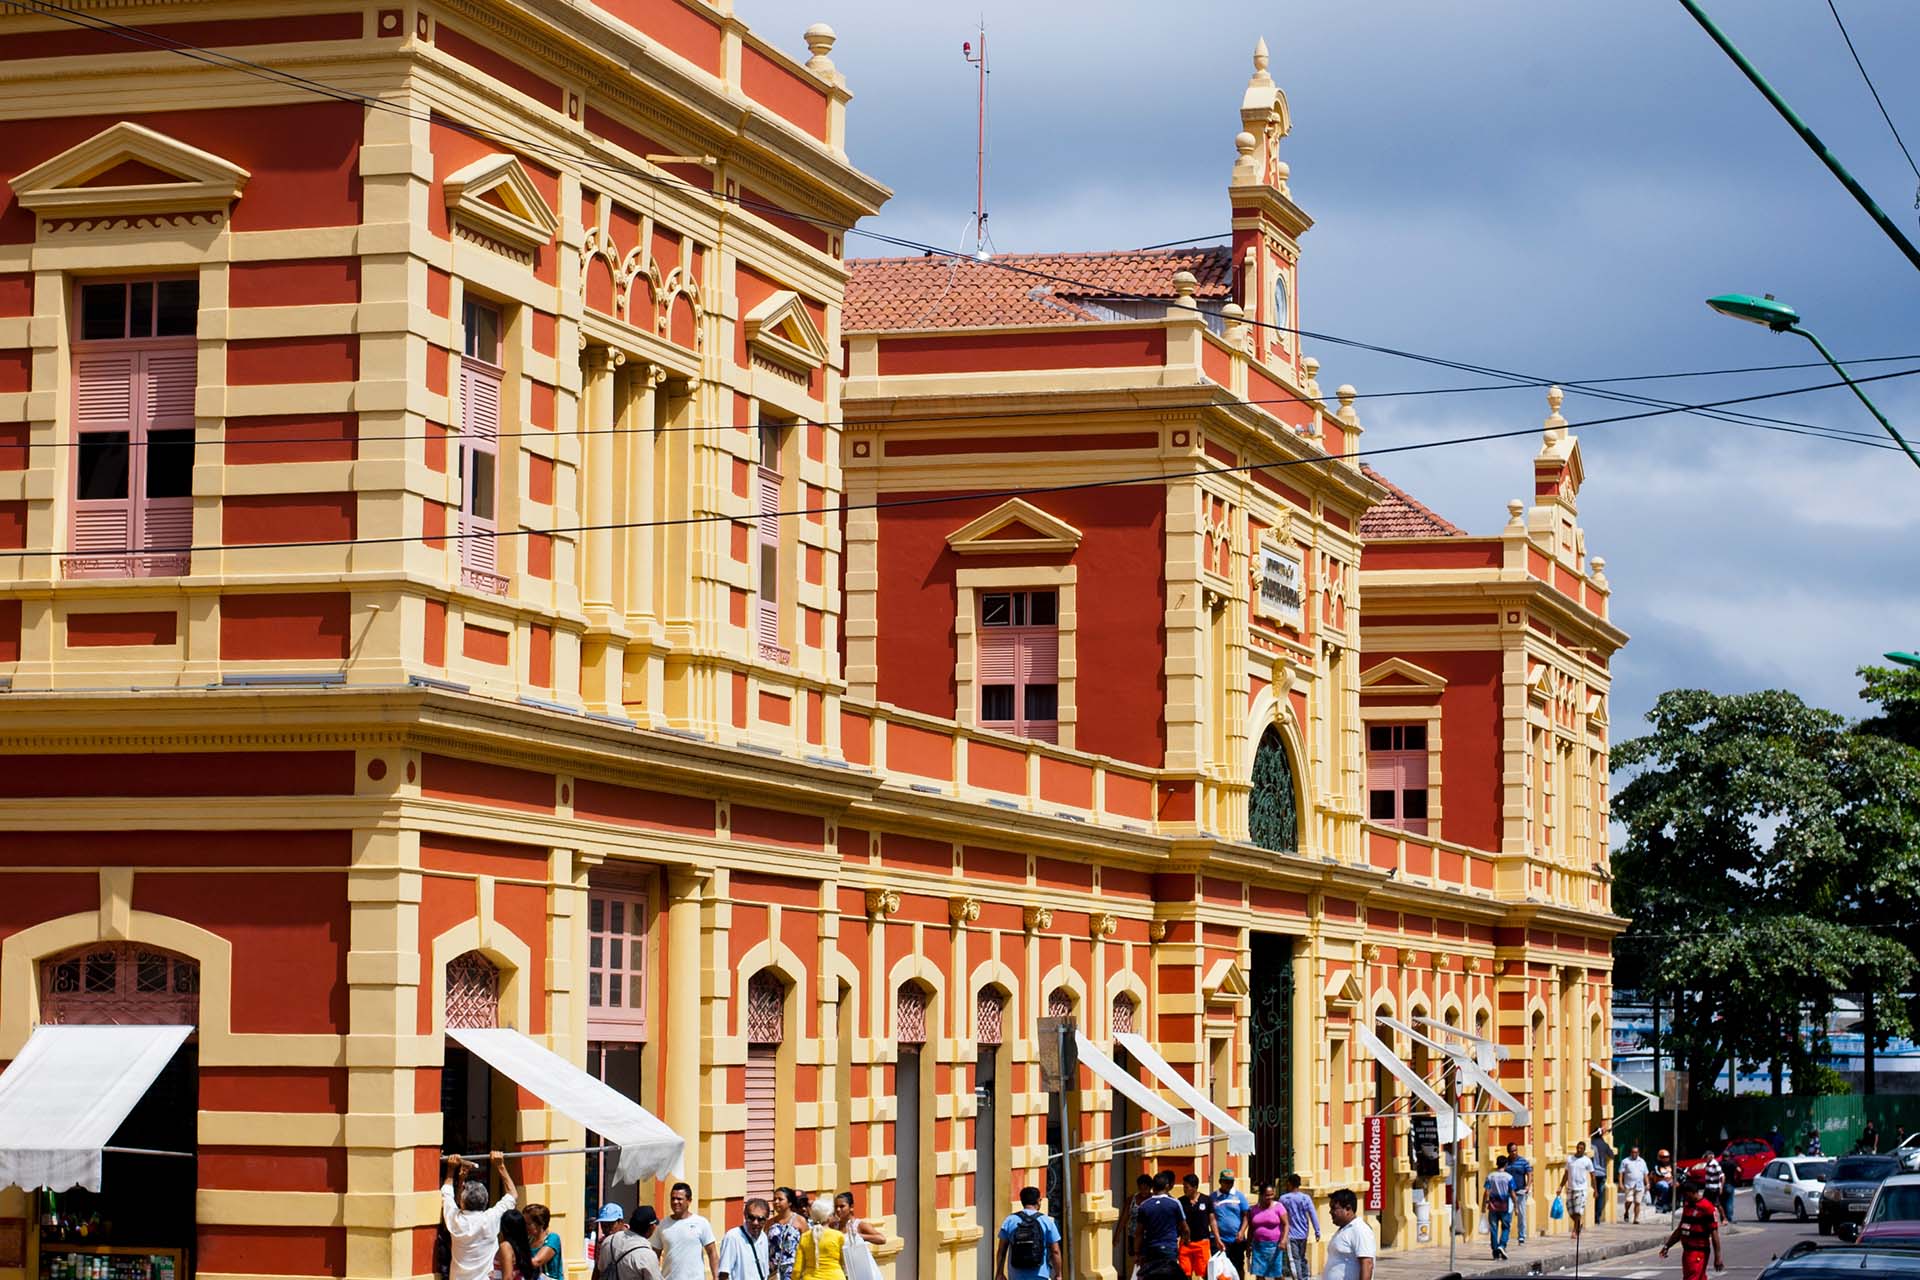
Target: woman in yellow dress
[[821, 1247]]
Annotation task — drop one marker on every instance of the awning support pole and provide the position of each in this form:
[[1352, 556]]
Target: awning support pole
[[147, 1151], [484, 1156]]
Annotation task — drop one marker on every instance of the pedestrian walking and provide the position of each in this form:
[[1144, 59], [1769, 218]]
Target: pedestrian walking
[[626, 1249], [1496, 1201], [1522, 1170], [1203, 1236], [1777, 1140], [1159, 1226], [1267, 1236], [1351, 1251], [854, 1228], [1633, 1185], [746, 1253], [821, 1247], [1300, 1215], [783, 1233], [1576, 1187], [474, 1228], [688, 1249], [1713, 1178], [1697, 1233], [1230, 1210], [1730, 1181], [1029, 1243], [1602, 1152], [1123, 1229], [1870, 1139]]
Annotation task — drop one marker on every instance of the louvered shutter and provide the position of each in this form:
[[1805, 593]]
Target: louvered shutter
[[105, 400], [762, 1084], [1413, 777], [1039, 664], [997, 658], [766, 501], [167, 382], [480, 434]]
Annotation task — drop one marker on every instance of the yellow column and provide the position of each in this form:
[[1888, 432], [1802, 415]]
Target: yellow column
[[597, 420], [684, 1056], [640, 422]]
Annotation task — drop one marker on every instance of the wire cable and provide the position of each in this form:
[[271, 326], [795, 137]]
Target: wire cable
[[1891, 127], [941, 499]]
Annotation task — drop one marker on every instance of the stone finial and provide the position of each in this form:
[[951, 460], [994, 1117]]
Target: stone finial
[[1236, 331], [1516, 513], [1184, 286], [1260, 60], [1349, 416], [1600, 572], [1555, 424], [1310, 371], [1246, 165], [820, 40], [1281, 172]]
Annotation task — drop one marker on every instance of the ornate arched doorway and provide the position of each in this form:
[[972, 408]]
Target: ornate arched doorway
[[468, 1105], [1273, 815]]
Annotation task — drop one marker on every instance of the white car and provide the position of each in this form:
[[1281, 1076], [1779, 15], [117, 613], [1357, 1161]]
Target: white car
[[1908, 1152], [1791, 1185]]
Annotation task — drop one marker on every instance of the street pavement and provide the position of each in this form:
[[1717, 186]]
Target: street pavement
[[1748, 1244]]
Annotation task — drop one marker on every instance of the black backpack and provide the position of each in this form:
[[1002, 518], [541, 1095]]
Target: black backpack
[[1027, 1246]]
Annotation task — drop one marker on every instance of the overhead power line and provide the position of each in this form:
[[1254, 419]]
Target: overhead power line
[[1872, 89], [946, 499]]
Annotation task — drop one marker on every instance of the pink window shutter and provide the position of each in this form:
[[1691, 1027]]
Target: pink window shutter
[[997, 658], [1383, 771], [105, 399], [1040, 657], [167, 383], [762, 1091], [480, 432]]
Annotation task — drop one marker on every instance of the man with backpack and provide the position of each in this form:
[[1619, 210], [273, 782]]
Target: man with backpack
[[1029, 1242], [1497, 1203]]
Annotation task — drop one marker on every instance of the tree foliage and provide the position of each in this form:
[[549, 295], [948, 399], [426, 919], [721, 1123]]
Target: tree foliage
[[1771, 862]]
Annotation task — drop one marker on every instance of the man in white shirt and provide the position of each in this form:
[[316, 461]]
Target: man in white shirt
[[743, 1254], [1576, 1184], [687, 1246], [1350, 1250], [473, 1227], [1633, 1186]]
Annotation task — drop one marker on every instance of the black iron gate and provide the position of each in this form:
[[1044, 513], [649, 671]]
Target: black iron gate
[[1271, 1117]]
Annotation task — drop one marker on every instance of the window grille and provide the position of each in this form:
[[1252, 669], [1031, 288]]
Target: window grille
[[766, 1009], [473, 991], [990, 1018], [122, 984], [1060, 1003], [1122, 1015], [910, 1020]]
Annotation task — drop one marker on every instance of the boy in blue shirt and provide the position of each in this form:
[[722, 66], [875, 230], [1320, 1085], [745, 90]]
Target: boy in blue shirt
[[1300, 1215], [1029, 1246], [1522, 1170], [1230, 1213]]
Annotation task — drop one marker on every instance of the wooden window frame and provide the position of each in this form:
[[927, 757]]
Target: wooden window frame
[[627, 1022], [773, 445], [1033, 652], [1399, 765], [970, 585], [482, 384], [1427, 715]]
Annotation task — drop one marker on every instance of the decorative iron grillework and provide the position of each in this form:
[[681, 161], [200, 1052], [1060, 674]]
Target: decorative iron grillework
[[120, 983], [1060, 1003], [473, 991], [910, 1017], [990, 1018], [766, 1009], [1123, 1009]]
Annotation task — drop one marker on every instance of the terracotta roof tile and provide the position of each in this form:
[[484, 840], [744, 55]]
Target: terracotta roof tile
[[934, 292], [1401, 515]]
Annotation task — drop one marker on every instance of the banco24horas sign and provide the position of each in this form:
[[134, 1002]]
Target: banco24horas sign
[[1281, 596]]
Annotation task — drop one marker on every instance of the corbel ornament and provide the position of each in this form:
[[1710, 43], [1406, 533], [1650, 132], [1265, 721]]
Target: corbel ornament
[[882, 902], [1102, 925], [963, 910], [1038, 918]]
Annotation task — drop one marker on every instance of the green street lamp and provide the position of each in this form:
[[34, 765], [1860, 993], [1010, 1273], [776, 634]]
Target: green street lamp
[[1904, 658], [1781, 318]]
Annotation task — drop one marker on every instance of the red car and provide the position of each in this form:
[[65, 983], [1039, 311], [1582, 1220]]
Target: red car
[[1750, 1156]]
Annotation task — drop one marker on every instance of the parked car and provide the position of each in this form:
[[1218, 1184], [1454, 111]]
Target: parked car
[[1750, 1156], [1850, 1187], [1791, 1185], [1908, 1152], [1894, 1215], [1809, 1260]]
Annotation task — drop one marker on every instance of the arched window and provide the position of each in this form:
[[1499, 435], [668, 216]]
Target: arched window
[[990, 1018], [473, 991], [120, 983], [1060, 1003], [766, 1030], [910, 1014], [1272, 818], [1123, 1011]]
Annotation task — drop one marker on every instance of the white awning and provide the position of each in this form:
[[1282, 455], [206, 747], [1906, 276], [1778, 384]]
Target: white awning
[[1472, 1069], [1406, 1075], [648, 1149], [1182, 1129], [1239, 1137], [67, 1092]]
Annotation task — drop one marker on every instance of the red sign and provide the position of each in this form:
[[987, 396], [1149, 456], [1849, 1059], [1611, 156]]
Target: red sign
[[1374, 1155]]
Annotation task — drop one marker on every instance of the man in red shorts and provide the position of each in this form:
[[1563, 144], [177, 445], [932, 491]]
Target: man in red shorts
[[1698, 1230]]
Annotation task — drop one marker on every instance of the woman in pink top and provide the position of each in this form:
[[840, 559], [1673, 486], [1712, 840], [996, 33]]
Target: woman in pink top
[[1267, 1256]]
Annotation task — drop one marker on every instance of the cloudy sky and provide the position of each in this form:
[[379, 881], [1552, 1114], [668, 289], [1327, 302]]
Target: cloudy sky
[[1550, 188]]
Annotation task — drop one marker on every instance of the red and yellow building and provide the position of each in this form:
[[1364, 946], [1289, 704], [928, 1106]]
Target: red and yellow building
[[474, 552]]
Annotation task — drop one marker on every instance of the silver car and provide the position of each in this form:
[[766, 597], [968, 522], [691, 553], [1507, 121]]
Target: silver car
[[1791, 1185]]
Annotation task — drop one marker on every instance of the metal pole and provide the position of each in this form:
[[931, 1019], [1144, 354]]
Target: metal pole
[[1066, 1141], [1872, 408], [147, 1151], [484, 1156], [1807, 135], [1453, 1167]]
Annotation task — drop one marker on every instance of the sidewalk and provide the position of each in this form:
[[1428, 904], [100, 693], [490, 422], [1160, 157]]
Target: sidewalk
[[1473, 1256]]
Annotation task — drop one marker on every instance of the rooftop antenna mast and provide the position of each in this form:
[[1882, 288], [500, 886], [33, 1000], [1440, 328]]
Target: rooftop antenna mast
[[982, 242]]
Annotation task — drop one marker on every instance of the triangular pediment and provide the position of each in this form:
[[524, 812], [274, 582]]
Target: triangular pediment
[[1225, 983], [1015, 527], [126, 170], [495, 197], [1399, 674], [783, 332], [1597, 709]]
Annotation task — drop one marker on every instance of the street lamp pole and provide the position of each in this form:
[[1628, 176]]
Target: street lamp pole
[[1808, 136], [1781, 318]]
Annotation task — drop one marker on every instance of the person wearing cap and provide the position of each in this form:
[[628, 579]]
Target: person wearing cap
[[1230, 1220], [626, 1248], [473, 1228]]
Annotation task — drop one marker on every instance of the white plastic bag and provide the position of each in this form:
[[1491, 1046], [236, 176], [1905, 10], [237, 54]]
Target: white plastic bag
[[856, 1256], [1220, 1267]]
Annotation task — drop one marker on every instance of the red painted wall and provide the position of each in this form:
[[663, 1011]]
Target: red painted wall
[[1121, 604]]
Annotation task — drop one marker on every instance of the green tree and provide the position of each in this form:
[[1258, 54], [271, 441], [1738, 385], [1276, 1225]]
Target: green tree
[[1896, 690], [1769, 862]]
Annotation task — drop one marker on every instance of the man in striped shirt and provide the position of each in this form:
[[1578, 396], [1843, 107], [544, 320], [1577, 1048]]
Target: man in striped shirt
[[1697, 1232], [1711, 1176]]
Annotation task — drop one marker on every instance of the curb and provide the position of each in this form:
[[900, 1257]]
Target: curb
[[1559, 1260]]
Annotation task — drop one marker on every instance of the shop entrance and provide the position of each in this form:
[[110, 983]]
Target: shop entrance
[[477, 1105], [140, 1224]]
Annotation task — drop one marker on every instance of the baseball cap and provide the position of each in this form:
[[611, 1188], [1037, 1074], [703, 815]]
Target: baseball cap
[[644, 1218], [1227, 1174], [611, 1212]]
